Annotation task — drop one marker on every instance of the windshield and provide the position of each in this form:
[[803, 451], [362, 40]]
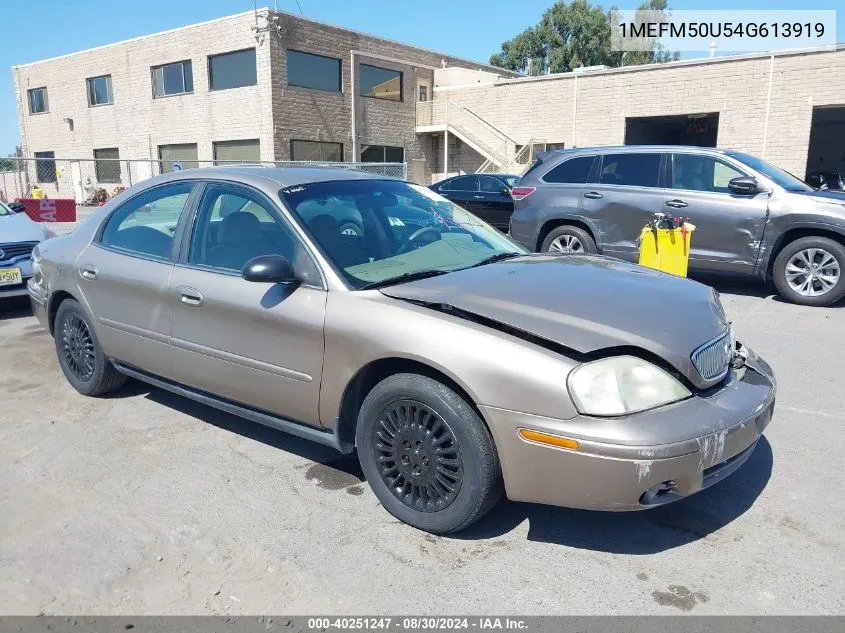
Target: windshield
[[378, 231], [4, 210], [776, 174]]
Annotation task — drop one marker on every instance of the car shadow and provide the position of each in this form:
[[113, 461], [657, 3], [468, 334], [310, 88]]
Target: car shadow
[[745, 286], [336, 467], [636, 533], [15, 308]]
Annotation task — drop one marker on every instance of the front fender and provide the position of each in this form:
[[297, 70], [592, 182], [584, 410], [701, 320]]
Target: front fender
[[777, 234]]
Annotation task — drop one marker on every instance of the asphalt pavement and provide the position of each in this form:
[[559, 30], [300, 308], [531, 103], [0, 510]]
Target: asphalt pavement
[[145, 503]]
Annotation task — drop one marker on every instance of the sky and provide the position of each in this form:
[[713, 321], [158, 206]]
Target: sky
[[473, 29]]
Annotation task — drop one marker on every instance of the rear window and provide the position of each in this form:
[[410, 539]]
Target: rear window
[[573, 171], [633, 170]]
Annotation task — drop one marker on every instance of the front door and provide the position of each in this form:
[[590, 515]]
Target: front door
[[623, 198], [496, 204], [463, 191], [124, 273], [729, 227], [423, 90], [258, 344]]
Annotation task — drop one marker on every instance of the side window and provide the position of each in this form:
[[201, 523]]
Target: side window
[[464, 183], [145, 224], [634, 169], [488, 184], [573, 171], [702, 173], [235, 225]]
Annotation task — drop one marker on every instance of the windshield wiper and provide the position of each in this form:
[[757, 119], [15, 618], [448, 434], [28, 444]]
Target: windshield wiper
[[496, 258], [398, 279]]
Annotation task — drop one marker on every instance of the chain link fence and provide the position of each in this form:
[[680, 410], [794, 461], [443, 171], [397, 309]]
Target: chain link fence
[[92, 181]]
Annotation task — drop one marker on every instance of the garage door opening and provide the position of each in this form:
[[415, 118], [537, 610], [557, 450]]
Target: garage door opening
[[826, 156], [684, 129]]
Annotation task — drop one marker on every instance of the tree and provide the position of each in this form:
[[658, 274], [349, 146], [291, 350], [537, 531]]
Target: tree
[[572, 35]]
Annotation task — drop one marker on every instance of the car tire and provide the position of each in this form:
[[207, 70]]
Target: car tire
[[426, 454], [568, 236], [350, 228], [797, 254], [81, 358]]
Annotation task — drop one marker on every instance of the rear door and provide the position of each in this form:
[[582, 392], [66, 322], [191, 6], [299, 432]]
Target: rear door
[[123, 276], [729, 227], [625, 194], [493, 203], [463, 191], [259, 344]]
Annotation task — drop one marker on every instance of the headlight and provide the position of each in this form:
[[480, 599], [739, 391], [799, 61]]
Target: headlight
[[622, 384]]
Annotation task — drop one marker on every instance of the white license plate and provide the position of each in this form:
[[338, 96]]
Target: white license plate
[[10, 276]]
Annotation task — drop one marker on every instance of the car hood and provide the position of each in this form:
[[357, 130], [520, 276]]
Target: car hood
[[19, 228], [585, 303]]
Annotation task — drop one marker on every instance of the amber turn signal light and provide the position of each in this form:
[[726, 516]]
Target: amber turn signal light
[[551, 440]]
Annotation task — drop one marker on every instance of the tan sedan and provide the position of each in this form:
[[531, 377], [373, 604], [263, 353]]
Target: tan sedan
[[457, 364]]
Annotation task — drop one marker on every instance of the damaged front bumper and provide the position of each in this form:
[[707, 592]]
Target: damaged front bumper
[[642, 460]]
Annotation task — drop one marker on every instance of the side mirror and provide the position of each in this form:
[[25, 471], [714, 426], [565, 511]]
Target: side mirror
[[744, 185], [505, 191], [272, 269]]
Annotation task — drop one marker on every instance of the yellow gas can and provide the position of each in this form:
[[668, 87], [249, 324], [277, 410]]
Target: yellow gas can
[[666, 249]]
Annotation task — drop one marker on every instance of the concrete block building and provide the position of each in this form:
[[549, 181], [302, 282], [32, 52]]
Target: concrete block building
[[260, 85], [271, 86]]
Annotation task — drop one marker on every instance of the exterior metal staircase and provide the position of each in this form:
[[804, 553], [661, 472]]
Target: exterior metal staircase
[[501, 152]]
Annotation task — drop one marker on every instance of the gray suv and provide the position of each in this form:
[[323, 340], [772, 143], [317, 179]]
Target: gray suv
[[752, 218]]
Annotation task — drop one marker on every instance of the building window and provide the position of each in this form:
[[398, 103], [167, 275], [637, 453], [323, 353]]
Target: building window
[[107, 164], [37, 100], [237, 151], [99, 90], [382, 154], [316, 151], [173, 79], [45, 167], [380, 83], [177, 157], [232, 70], [317, 72]]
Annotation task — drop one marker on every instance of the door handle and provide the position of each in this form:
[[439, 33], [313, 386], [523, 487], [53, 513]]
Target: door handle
[[594, 195], [87, 271], [479, 197], [676, 204], [190, 296]]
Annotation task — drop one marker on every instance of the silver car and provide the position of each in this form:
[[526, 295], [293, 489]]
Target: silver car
[[18, 236], [457, 364], [752, 218]]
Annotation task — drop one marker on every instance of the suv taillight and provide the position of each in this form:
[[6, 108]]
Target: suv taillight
[[520, 193]]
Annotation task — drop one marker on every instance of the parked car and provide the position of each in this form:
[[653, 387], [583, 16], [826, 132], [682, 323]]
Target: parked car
[[834, 181], [752, 218], [18, 236], [455, 362], [486, 195]]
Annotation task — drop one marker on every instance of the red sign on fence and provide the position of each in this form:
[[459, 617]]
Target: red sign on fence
[[49, 209]]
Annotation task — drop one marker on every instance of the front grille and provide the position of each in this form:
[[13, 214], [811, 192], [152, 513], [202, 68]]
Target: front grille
[[12, 251], [711, 360]]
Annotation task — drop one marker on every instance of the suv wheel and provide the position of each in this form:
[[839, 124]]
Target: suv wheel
[[80, 356], [426, 454], [568, 239], [809, 271]]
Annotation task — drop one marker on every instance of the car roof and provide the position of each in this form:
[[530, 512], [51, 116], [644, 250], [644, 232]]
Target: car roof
[[629, 148], [283, 176]]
